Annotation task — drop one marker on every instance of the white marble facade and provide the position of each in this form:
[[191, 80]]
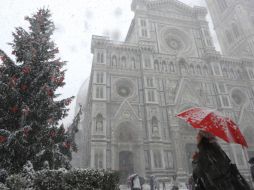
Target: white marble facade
[[167, 64]]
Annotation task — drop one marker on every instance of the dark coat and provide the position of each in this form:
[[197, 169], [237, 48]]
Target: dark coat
[[213, 169], [252, 171]]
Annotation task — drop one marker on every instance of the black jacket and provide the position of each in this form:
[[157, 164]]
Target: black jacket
[[213, 169]]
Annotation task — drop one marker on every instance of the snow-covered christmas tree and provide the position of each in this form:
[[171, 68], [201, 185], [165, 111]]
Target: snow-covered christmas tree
[[29, 111]]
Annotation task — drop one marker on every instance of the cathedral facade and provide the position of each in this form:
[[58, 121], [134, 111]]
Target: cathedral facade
[[167, 63]]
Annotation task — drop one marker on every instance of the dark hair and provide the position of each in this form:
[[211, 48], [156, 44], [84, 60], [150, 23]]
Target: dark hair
[[208, 136]]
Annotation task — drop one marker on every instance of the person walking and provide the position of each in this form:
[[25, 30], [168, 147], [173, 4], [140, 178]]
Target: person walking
[[135, 182], [252, 169], [212, 168], [164, 185], [153, 183]]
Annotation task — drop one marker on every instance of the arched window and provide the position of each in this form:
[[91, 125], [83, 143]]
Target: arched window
[[192, 69], [133, 63], [206, 71], [147, 62], [199, 70], [225, 72], [156, 65], [99, 123], [114, 61], [183, 67], [102, 58], [171, 67], [164, 66], [239, 74], [229, 36], [155, 126], [123, 62], [232, 73], [235, 30]]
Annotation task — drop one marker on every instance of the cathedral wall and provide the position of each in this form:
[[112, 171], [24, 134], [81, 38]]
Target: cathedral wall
[[137, 89]]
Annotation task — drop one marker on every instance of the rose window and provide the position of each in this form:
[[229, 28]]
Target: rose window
[[238, 97], [175, 40], [174, 44], [123, 91], [124, 88]]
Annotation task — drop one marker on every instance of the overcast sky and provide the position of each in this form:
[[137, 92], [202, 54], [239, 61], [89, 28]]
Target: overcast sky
[[76, 21]]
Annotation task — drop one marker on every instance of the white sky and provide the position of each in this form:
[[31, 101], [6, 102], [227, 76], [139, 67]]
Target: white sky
[[76, 21]]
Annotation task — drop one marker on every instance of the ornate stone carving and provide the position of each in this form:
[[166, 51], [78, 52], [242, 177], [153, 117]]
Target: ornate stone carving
[[175, 41]]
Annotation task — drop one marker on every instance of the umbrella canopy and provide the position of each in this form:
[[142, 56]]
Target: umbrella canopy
[[213, 122]]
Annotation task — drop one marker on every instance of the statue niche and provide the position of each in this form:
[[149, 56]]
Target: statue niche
[[155, 126], [99, 123]]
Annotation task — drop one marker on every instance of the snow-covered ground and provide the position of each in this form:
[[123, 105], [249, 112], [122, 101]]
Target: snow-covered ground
[[182, 186]]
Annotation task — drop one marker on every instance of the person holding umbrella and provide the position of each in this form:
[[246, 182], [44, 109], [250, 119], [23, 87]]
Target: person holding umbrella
[[251, 162], [212, 168]]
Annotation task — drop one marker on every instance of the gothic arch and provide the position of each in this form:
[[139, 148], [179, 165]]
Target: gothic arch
[[164, 66], [126, 131], [124, 62], [192, 70], [206, 70], [199, 71], [232, 73], [182, 65], [225, 71], [114, 61], [155, 125], [156, 65], [171, 67], [99, 123], [239, 73]]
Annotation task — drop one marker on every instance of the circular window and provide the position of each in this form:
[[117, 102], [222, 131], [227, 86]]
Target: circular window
[[124, 88], [238, 97], [175, 40], [174, 44], [123, 91]]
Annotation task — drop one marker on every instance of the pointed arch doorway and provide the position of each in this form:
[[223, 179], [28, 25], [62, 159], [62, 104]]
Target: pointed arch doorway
[[128, 152], [126, 165]]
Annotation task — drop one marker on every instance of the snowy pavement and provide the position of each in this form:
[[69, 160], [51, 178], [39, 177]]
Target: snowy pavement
[[147, 187]]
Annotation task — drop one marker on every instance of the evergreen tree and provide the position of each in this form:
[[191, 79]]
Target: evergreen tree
[[29, 111]]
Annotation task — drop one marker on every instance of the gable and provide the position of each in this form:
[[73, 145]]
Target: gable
[[187, 95], [126, 112], [170, 6]]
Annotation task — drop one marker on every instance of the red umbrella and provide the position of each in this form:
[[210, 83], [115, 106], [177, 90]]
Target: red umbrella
[[213, 122]]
